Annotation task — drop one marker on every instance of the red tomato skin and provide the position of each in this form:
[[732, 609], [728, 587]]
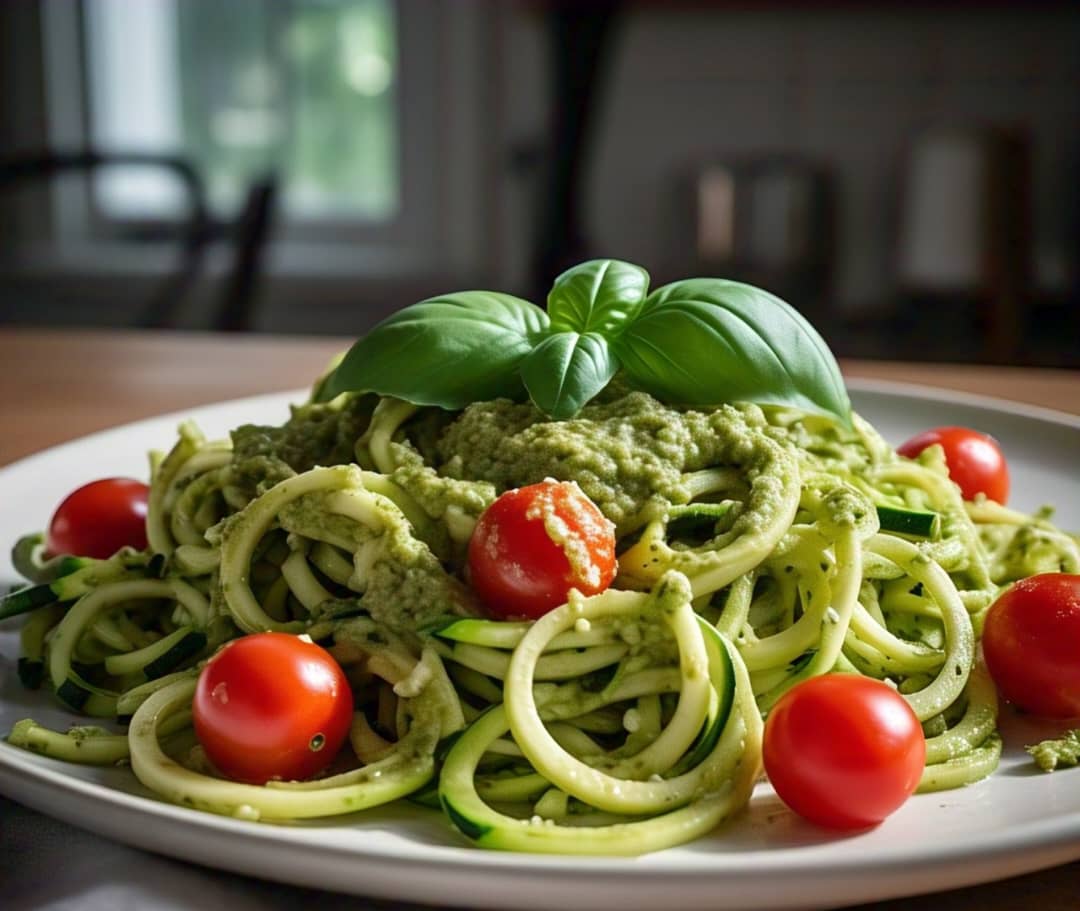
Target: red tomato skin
[[99, 518], [1031, 644], [974, 459], [515, 567], [261, 702], [843, 751]]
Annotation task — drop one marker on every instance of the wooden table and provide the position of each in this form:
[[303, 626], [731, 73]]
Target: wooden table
[[55, 386]]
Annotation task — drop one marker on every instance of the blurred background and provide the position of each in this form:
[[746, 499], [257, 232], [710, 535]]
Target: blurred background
[[903, 173]]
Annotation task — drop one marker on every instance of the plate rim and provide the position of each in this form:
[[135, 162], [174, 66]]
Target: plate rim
[[944, 395]]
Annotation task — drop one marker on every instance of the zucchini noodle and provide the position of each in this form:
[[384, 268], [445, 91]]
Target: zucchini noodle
[[757, 547]]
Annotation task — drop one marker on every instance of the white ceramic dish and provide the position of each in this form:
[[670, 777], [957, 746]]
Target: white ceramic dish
[[1017, 821]]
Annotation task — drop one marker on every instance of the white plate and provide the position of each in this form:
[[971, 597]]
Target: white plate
[[1017, 821]]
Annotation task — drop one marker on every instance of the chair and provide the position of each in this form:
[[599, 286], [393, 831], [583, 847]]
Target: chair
[[964, 241], [248, 232]]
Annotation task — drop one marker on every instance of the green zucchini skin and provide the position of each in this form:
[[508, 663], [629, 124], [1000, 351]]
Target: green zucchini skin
[[162, 657], [27, 599], [695, 518], [72, 577], [31, 672], [73, 694], [915, 523], [723, 676], [191, 645]]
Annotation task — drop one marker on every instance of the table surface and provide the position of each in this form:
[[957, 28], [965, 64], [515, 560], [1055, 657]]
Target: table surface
[[59, 385]]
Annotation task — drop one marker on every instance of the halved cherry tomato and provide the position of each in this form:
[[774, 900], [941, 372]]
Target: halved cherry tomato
[[272, 705], [99, 518], [843, 751], [534, 544], [974, 459], [1031, 643]]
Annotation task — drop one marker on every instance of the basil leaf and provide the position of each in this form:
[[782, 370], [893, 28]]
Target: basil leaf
[[601, 295], [566, 370], [704, 341], [448, 351]]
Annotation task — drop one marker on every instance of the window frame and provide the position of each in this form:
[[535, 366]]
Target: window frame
[[442, 225]]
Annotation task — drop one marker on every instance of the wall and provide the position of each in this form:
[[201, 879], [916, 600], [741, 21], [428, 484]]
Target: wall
[[844, 86]]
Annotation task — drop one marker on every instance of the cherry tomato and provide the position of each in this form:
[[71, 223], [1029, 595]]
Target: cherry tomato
[[974, 460], [843, 751], [272, 705], [534, 544], [99, 518], [1031, 643]]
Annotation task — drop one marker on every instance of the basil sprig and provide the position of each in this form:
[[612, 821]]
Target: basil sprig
[[702, 341]]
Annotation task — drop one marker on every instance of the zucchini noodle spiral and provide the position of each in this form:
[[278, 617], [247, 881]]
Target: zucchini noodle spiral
[[757, 547]]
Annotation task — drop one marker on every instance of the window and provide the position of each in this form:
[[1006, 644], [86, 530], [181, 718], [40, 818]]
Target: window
[[374, 115], [305, 88]]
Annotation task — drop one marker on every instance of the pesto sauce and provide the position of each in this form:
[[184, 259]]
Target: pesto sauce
[[627, 451], [405, 585], [315, 434], [436, 493], [1057, 753], [1025, 550], [626, 454]]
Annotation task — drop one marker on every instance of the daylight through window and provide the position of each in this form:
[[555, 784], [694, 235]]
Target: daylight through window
[[304, 88]]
